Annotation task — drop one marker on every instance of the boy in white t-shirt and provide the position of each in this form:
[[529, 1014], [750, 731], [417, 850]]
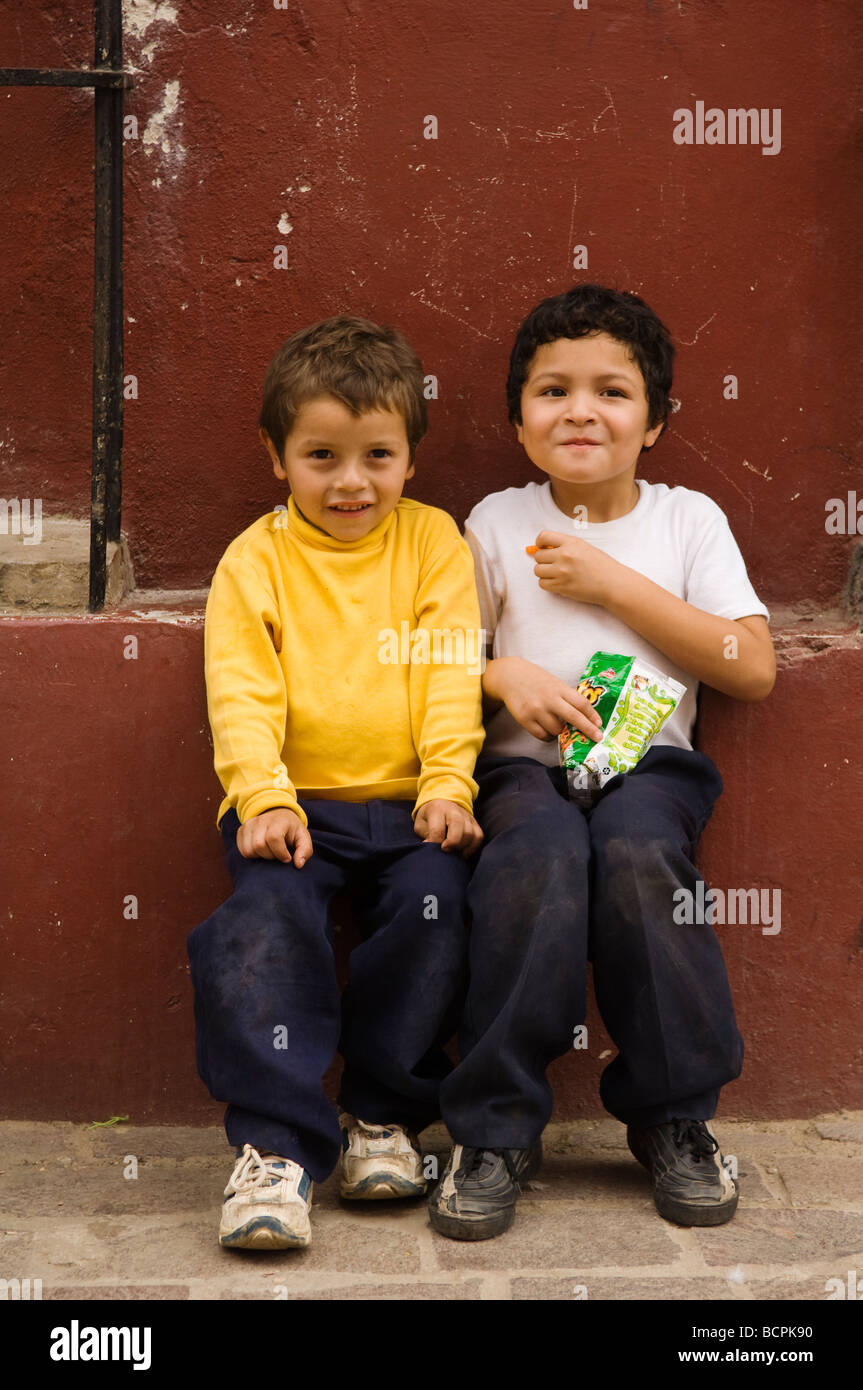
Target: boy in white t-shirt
[[621, 565]]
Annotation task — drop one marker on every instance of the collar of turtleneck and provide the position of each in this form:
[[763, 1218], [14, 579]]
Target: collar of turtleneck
[[313, 536]]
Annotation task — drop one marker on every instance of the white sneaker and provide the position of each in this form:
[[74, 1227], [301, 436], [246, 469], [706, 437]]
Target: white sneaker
[[378, 1162], [267, 1204]]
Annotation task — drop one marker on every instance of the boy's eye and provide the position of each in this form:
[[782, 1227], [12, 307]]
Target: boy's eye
[[381, 453], [616, 391], [320, 454]]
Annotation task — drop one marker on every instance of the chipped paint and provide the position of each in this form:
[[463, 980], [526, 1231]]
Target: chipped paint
[[162, 129]]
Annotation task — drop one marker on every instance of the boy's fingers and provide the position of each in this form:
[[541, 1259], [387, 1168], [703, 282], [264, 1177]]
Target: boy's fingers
[[546, 727], [459, 831], [549, 540], [473, 839], [274, 845], [303, 848], [435, 825], [585, 723], [575, 701]]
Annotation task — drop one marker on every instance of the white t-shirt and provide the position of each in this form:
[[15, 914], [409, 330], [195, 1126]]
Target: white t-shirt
[[678, 538]]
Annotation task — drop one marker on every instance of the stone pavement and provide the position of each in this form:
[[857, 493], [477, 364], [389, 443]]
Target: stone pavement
[[586, 1227]]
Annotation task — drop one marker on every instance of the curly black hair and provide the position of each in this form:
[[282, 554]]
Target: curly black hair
[[587, 309]]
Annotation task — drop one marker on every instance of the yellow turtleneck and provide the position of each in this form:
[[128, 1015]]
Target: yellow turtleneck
[[311, 689]]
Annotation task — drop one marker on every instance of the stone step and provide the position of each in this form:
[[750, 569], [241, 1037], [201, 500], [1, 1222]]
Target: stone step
[[45, 561]]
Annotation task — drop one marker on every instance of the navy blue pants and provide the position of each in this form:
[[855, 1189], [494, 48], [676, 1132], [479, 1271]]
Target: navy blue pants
[[263, 970], [556, 886]]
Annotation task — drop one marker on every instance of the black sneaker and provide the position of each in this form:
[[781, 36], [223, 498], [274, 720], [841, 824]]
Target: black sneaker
[[691, 1184], [477, 1192]]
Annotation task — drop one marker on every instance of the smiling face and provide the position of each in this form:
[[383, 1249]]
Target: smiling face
[[346, 472], [584, 422]]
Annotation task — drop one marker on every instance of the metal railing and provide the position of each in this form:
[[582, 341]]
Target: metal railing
[[109, 82]]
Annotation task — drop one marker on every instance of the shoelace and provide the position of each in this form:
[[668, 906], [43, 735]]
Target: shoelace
[[473, 1158], [692, 1135], [254, 1171], [377, 1131]]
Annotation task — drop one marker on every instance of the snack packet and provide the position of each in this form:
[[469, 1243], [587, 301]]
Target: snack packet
[[633, 700]]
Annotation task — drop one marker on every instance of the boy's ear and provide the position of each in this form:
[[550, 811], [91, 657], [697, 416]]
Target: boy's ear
[[651, 436], [519, 432], [270, 447]]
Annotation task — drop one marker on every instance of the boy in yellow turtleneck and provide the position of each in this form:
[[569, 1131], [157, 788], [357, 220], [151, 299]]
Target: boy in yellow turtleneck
[[343, 657]]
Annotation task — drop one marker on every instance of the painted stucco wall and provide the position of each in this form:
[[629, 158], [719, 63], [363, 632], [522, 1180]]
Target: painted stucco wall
[[304, 127]]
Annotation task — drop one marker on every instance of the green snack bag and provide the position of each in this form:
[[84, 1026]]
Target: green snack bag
[[634, 700]]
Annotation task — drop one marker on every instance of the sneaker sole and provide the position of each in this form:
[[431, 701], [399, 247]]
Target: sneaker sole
[[471, 1228], [381, 1187], [691, 1214], [263, 1233], [686, 1213]]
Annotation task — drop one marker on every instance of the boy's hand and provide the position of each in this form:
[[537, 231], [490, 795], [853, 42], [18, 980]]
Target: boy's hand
[[573, 567], [268, 835], [542, 703], [449, 825]]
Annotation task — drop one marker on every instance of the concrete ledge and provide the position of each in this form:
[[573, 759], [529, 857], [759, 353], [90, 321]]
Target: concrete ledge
[[111, 856], [45, 565]]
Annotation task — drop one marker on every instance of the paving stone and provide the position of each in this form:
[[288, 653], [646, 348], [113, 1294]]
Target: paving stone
[[377, 1293], [662, 1289], [753, 1189], [568, 1236], [79, 1293], [849, 1131], [138, 1250], [762, 1144], [155, 1237], [70, 1192], [28, 1142], [159, 1141], [584, 1136], [607, 1181], [823, 1181], [787, 1236], [16, 1245], [811, 1288]]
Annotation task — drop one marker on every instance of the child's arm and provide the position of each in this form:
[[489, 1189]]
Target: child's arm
[[446, 691], [538, 700], [247, 705], [541, 702], [733, 655]]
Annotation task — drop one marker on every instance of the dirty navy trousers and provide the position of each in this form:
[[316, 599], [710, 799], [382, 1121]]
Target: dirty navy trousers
[[267, 1009], [555, 886]]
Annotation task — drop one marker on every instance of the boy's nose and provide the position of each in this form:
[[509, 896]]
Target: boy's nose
[[352, 476], [580, 407]]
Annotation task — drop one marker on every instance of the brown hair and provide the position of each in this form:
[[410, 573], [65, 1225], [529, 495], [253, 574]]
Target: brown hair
[[364, 365]]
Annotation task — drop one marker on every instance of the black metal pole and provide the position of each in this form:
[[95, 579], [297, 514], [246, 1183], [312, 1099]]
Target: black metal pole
[[109, 82], [105, 482]]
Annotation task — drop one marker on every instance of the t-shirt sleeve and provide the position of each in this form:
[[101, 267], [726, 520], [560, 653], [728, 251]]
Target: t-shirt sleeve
[[716, 578], [490, 586]]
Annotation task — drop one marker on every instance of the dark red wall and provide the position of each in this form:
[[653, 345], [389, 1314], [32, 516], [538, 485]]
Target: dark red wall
[[109, 791], [555, 129]]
